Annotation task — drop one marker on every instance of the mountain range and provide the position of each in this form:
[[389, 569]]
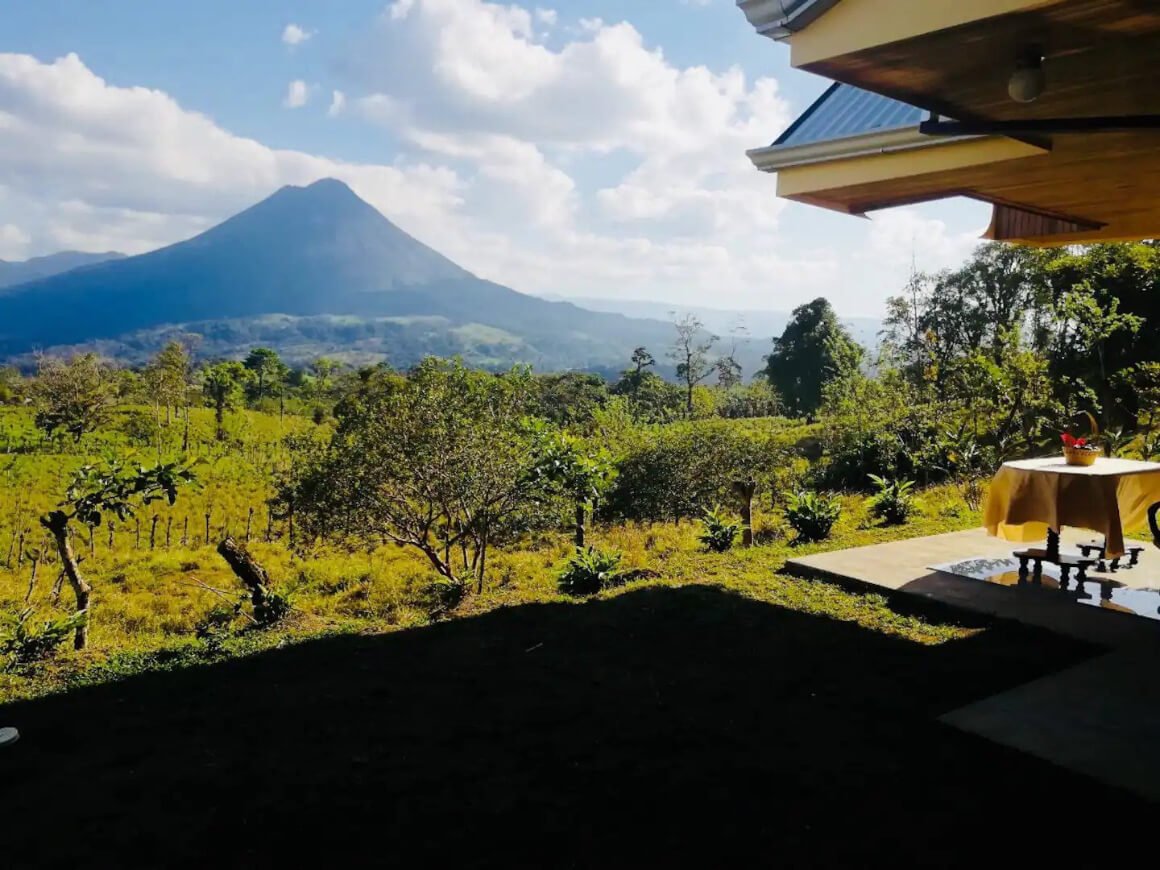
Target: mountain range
[[310, 271]]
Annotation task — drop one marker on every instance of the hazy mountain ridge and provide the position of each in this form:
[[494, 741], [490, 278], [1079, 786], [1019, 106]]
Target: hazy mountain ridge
[[15, 273]]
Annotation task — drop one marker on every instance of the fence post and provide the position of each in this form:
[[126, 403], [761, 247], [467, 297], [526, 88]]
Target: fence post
[[153, 532], [249, 522], [110, 534], [92, 544], [137, 544], [20, 551], [185, 532], [168, 530], [207, 528]]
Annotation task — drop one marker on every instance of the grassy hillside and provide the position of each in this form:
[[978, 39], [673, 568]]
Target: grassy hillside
[[157, 579]]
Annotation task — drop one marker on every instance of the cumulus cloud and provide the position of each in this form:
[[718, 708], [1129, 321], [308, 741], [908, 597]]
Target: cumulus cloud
[[470, 81], [297, 94], [293, 35], [90, 165], [337, 103]]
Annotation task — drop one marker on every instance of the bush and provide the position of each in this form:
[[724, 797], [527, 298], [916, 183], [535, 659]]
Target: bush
[[718, 534], [680, 470], [812, 515], [893, 502], [589, 571], [275, 607], [21, 643]]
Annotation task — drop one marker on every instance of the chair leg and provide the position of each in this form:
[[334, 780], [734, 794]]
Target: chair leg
[[1022, 569], [1037, 576], [1064, 577]]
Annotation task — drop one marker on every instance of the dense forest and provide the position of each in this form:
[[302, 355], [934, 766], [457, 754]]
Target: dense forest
[[190, 512]]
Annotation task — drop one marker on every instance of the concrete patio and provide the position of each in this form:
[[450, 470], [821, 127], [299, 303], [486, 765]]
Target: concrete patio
[[1099, 718]]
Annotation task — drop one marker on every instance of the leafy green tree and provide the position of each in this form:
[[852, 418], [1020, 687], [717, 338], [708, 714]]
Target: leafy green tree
[[439, 461], [168, 377], [223, 385], [813, 350], [571, 398], [268, 370], [113, 488], [582, 471], [641, 360], [1087, 321], [74, 397], [690, 351]]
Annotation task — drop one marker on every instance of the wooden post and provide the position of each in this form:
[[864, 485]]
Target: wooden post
[[20, 551], [92, 543], [137, 543], [249, 522], [153, 532], [110, 534], [32, 579], [185, 532], [207, 528], [745, 490], [168, 530]]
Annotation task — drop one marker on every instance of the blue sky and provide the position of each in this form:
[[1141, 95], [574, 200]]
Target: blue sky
[[573, 148]]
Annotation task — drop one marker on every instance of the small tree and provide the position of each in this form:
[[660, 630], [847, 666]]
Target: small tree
[[690, 351], [223, 384], [439, 461], [168, 377], [267, 369], [74, 397], [113, 488], [578, 470]]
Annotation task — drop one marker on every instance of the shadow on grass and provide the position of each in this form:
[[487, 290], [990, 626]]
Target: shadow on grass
[[665, 726]]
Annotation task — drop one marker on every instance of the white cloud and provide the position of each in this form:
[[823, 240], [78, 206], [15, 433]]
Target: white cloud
[[547, 17], [13, 242], [337, 104], [297, 94], [293, 35], [90, 165], [684, 214]]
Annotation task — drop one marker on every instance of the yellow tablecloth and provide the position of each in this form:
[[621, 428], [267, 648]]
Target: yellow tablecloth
[[1029, 496]]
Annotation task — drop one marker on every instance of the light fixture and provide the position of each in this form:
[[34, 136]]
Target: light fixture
[[1028, 81]]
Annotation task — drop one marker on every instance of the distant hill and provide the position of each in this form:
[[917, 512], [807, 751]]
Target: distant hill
[[12, 274], [758, 323], [312, 270]]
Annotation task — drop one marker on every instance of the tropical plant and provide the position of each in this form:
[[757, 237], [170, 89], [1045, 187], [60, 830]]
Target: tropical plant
[[718, 533], [812, 515], [893, 501], [21, 642], [590, 570]]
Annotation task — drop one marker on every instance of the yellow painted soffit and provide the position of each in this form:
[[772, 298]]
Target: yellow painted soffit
[[853, 25], [873, 168]]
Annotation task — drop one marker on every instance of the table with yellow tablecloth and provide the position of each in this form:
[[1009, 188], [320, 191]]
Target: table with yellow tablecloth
[[1031, 496]]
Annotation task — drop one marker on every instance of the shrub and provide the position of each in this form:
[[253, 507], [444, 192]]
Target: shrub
[[812, 515], [275, 607], [21, 643], [893, 501], [215, 627], [719, 533], [589, 571]]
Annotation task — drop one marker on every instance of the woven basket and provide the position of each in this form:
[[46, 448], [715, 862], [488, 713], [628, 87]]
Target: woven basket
[[1081, 456]]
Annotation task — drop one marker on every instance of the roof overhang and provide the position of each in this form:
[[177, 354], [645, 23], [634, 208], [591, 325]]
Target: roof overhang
[[953, 58]]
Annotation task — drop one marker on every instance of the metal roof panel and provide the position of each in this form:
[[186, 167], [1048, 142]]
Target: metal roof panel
[[844, 110]]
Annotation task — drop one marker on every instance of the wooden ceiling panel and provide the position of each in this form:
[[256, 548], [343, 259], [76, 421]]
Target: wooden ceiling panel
[[1101, 59]]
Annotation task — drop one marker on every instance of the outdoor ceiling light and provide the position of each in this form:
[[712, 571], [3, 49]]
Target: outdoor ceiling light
[[1028, 81]]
